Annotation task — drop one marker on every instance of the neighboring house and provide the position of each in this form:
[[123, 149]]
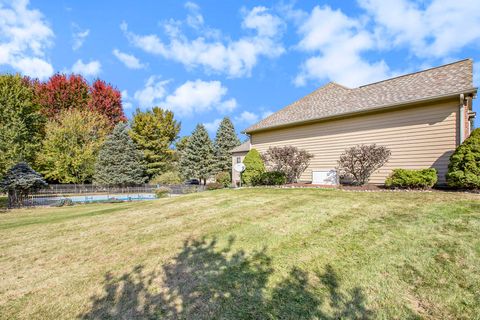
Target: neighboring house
[[421, 117], [238, 154]]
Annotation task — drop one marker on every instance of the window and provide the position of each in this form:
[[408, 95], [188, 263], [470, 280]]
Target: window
[[239, 160]]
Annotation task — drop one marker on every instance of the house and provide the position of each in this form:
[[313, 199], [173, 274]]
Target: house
[[421, 117], [238, 154]]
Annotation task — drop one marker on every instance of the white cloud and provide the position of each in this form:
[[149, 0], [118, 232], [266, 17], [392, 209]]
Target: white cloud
[[79, 37], [87, 69], [130, 61], [337, 42], [437, 29], [194, 17], [199, 96], [234, 58], [247, 117], [126, 100], [24, 38], [152, 93], [212, 126], [187, 99]]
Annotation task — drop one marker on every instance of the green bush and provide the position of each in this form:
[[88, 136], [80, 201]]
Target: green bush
[[464, 166], [224, 178], [169, 177], [254, 166], [214, 186], [412, 179], [162, 192], [63, 203], [273, 178]]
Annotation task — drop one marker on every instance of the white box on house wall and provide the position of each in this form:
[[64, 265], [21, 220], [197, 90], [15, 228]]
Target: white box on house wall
[[325, 177]]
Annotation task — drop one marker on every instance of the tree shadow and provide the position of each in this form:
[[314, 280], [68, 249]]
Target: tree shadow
[[203, 282]]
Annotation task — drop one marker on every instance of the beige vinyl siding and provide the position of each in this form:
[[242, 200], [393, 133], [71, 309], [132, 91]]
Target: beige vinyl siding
[[419, 137]]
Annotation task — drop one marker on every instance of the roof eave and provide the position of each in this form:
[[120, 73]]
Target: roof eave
[[342, 115]]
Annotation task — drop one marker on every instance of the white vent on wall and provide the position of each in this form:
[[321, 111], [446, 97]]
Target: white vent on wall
[[325, 177]]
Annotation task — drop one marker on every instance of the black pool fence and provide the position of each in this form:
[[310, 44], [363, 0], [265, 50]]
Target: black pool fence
[[67, 194]]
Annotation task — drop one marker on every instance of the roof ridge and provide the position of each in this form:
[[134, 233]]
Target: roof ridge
[[411, 73]]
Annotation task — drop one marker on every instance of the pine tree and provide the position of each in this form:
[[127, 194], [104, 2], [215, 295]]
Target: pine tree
[[197, 160], [19, 181], [154, 132], [119, 163], [225, 140]]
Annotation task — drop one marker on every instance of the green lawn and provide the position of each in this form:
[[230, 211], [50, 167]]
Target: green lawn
[[246, 254]]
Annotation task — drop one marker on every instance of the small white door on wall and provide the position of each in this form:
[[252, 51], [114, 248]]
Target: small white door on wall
[[325, 177]]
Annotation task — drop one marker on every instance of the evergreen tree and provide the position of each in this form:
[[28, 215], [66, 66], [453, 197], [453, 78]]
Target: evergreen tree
[[225, 140], [119, 163], [21, 124], [154, 132], [464, 166], [197, 160], [19, 181]]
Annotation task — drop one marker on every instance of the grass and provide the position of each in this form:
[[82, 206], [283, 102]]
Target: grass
[[246, 254]]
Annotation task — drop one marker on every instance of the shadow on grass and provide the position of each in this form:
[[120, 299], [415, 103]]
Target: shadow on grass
[[203, 282]]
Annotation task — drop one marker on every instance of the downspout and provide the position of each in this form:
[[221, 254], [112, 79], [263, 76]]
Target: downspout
[[462, 117]]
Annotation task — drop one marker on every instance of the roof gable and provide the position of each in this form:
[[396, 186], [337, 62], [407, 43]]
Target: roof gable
[[334, 100]]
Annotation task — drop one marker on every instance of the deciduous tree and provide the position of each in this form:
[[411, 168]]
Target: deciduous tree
[[62, 92], [21, 124], [289, 160], [106, 100], [359, 162], [197, 160], [154, 131], [71, 146], [119, 162]]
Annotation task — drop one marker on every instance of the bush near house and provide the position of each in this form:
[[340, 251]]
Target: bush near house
[[224, 178], [412, 179], [214, 186], [272, 178], [464, 166], [289, 160], [162, 192], [253, 166], [359, 162]]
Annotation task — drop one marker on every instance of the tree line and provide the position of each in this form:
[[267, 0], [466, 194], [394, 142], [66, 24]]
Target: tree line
[[72, 131]]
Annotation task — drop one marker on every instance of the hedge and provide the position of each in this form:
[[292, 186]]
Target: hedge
[[272, 178], [412, 179], [464, 166]]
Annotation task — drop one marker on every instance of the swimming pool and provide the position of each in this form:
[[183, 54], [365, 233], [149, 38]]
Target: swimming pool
[[95, 198]]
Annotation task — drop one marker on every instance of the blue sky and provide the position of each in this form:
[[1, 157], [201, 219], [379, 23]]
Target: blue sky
[[210, 59]]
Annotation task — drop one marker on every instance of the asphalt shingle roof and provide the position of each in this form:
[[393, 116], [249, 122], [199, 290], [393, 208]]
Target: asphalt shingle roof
[[334, 100], [244, 147]]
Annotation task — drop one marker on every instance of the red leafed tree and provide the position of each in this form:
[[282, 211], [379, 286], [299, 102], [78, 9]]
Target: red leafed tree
[[106, 100], [62, 92]]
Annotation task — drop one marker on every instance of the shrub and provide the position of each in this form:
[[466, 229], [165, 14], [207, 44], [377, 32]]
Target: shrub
[[224, 178], [359, 162], [214, 186], [254, 166], [162, 192], [289, 160], [63, 202], [169, 177], [412, 179], [464, 166], [272, 178]]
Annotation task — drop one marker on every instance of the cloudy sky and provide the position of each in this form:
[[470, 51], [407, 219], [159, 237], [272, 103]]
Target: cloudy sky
[[208, 59]]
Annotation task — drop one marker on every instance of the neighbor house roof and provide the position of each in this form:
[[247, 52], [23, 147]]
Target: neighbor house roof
[[244, 147], [333, 100]]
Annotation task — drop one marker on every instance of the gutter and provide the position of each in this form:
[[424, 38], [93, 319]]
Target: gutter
[[371, 110], [462, 118]]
